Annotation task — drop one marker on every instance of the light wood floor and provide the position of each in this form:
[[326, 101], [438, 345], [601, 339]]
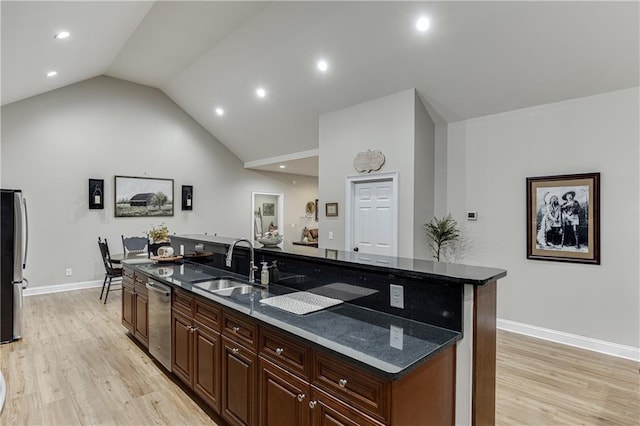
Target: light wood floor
[[76, 366]]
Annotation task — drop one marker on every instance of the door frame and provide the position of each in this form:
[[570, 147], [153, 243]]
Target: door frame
[[280, 196], [350, 184]]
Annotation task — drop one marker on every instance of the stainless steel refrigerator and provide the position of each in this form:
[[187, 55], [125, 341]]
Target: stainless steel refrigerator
[[14, 236]]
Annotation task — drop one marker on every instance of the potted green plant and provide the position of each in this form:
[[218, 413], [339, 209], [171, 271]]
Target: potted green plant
[[441, 232]]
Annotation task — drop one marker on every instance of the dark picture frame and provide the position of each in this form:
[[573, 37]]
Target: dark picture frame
[[187, 197], [143, 196], [331, 209], [96, 194], [563, 218], [331, 254], [268, 209]]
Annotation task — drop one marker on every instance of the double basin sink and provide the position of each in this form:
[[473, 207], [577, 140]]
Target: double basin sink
[[224, 286]]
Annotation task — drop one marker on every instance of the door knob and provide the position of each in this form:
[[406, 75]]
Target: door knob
[[312, 404], [356, 249]]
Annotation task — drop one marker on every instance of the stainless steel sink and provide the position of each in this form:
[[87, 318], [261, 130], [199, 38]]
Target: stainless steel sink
[[225, 286]]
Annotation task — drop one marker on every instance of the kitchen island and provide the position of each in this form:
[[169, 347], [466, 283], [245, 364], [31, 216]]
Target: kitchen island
[[401, 362]]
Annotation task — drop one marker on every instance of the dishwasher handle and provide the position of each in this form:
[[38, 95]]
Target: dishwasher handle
[[159, 288]]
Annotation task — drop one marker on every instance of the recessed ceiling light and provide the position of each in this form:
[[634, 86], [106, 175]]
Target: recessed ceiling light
[[62, 35], [260, 92], [52, 73], [219, 111], [323, 65], [282, 166], [423, 24]]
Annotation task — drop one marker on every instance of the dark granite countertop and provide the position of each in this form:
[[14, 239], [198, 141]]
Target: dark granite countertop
[[446, 272], [354, 333]]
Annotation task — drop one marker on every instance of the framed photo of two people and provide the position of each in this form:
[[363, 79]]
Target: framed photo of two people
[[563, 218]]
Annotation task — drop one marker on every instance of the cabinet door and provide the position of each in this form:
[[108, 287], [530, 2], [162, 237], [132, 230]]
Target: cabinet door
[[182, 347], [328, 411], [206, 365], [128, 306], [141, 325], [238, 384], [283, 398]]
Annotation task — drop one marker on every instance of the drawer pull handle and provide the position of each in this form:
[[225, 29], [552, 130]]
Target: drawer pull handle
[[235, 328], [342, 383], [279, 351], [312, 404], [301, 397], [235, 350]]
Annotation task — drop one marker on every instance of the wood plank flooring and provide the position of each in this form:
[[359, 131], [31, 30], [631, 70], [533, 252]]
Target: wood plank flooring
[[546, 383], [76, 366]]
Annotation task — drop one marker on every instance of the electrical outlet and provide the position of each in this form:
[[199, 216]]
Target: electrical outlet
[[68, 272], [396, 337], [397, 296]]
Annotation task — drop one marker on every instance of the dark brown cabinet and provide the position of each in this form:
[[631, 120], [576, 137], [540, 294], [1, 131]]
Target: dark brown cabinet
[[196, 346], [239, 370], [326, 410], [238, 383], [283, 397], [206, 365], [128, 303], [254, 374], [182, 346], [135, 308]]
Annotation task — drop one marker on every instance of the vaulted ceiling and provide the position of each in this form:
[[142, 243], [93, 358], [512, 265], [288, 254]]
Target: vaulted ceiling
[[477, 58]]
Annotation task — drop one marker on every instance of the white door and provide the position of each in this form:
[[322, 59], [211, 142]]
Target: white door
[[373, 223]]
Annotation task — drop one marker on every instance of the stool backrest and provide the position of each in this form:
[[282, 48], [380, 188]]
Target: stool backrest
[[135, 244], [106, 256]]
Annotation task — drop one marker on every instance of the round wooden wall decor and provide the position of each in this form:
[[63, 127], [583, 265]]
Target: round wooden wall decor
[[310, 208], [368, 161]]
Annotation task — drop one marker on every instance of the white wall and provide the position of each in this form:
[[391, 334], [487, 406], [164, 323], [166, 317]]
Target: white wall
[[424, 177], [488, 160], [387, 124], [53, 143]]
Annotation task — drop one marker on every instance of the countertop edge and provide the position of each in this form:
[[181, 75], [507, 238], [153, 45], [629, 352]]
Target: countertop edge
[[448, 278], [393, 374]]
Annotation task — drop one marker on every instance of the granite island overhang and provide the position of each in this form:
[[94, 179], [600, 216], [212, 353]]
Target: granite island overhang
[[460, 298]]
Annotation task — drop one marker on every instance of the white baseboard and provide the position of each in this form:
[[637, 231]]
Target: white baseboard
[[31, 291], [601, 346]]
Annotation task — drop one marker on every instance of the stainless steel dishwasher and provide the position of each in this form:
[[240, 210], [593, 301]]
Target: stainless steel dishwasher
[[160, 322]]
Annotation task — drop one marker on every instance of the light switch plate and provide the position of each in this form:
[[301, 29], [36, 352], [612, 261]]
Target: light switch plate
[[396, 337], [397, 296]]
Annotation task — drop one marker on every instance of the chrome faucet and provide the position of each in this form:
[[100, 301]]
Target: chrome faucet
[[252, 265]]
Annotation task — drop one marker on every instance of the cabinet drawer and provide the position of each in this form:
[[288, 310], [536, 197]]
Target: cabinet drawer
[[354, 386], [330, 411], [140, 288], [183, 301], [128, 282], [207, 313], [286, 353], [240, 330], [127, 273]]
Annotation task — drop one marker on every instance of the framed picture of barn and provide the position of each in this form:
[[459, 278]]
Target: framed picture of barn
[[143, 196]]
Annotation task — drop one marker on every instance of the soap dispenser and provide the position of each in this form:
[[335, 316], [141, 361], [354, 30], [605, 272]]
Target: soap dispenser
[[275, 274], [264, 274]]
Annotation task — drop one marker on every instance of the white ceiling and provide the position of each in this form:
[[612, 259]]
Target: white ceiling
[[478, 58]]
